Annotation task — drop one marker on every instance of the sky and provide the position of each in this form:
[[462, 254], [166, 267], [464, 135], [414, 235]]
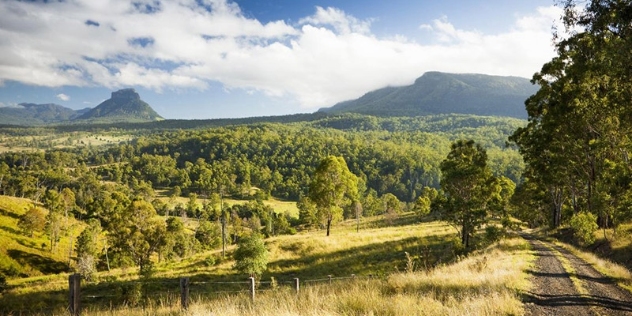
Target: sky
[[203, 59]]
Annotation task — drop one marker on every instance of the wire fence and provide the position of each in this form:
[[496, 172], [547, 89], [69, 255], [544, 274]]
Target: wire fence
[[179, 291]]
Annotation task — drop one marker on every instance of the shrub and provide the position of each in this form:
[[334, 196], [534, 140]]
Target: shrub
[[210, 261], [584, 225], [494, 233], [251, 255], [131, 293]]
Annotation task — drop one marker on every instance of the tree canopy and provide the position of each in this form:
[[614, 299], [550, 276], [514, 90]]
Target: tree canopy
[[576, 144], [468, 186], [333, 186]]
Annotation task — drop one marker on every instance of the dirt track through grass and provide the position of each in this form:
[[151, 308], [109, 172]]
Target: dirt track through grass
[[564, 284]]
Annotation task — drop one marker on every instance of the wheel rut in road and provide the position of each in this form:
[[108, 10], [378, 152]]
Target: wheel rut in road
[[554, 292]]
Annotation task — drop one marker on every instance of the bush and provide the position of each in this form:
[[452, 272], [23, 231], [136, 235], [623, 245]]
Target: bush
[[131, 293], [584, 225], [494, 233], [210, 261], [251, 255]]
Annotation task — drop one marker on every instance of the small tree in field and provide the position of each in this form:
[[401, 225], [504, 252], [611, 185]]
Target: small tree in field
[[33, 220], [469, 187], [332, 186], [251, 255]]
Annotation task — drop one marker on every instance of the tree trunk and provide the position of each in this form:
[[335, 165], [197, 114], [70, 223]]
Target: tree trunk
[[557, 199], [328, 225], [465, 238]]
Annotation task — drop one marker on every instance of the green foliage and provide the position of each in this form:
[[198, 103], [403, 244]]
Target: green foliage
[[88, 249], [210, 261], [467, 184], [88, 240], [332, 186], [251, 256], [307, 212], [209, 235], [422, 206], [138, 234], [576, 143], [391, 203], [494, 233], [32, 221], [584, 225]]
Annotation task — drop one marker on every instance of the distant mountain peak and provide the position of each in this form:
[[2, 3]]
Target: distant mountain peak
[[444, 93], [125, 105], [125, 94]]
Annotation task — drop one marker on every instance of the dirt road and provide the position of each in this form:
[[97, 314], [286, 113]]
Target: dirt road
[[564, 284]]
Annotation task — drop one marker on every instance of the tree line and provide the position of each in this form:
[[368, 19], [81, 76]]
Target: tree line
[[576, 144]]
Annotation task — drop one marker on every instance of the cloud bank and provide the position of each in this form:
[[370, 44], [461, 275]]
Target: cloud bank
[[188, 44]]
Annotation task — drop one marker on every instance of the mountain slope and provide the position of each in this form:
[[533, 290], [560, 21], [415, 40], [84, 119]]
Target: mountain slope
[[36, 114], [442, 93], [124, 106]]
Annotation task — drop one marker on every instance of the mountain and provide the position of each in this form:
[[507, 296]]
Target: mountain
[[36, 114], [444, 93], [124, 106]]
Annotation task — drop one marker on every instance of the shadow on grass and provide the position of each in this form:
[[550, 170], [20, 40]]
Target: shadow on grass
[[43, 264], [4, 212], [376, 258], [10, 230]]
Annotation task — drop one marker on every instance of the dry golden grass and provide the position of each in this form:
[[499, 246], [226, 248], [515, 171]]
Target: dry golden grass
[[486, 283], [63, 140], [619, 273]]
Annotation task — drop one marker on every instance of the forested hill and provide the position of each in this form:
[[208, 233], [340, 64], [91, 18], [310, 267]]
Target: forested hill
[[124, 106], [444, 93]]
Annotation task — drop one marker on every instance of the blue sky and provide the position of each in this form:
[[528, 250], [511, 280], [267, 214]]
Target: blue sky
[[198, 59]]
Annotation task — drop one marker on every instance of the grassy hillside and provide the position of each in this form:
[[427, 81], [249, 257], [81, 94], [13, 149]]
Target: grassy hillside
[[486, 283], [25, 256]]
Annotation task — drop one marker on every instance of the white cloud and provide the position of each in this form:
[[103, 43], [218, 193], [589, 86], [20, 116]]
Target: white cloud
[[339, 20], [173, 44], [63, 97]]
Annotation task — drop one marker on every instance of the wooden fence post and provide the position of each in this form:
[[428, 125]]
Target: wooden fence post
[[252, 289], [296, 284], [74, 283], [184, 293], [329, 276]]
